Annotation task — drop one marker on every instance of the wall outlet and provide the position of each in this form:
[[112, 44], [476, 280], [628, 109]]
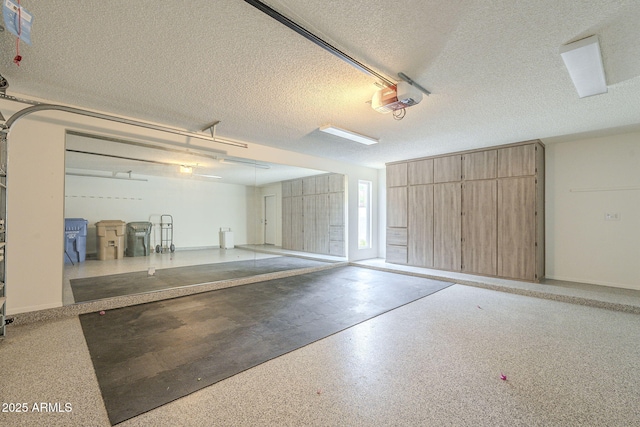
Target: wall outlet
[[612, 216]]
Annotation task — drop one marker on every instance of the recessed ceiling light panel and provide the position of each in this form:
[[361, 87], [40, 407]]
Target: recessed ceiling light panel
[[583, 59], [347, 134]]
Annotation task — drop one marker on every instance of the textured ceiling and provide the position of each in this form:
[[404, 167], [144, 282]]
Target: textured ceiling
[[493, 68]]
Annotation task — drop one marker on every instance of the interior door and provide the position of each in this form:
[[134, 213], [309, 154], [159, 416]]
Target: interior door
[[270, 220]]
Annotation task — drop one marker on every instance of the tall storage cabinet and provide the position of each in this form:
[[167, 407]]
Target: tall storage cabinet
[[447, 250], [420, 248], [313, 214], [479, 212], [397, 213], [480, 227]]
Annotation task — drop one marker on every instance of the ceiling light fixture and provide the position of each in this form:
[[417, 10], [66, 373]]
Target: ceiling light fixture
[[248, 163], [112, 176], [186, 169], [207, 176], [583, 59], [342, 133]]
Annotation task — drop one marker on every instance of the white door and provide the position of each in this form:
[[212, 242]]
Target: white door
[[270, 220]]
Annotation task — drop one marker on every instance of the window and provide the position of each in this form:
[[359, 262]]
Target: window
[[364, 214]]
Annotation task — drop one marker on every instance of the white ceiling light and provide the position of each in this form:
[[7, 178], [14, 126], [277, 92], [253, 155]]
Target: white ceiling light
[[584, 62], [348, 135], [186, 169], [207, 176], [249, 163]]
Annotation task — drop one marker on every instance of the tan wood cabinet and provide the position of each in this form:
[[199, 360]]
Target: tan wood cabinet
[[397, 236], [336, 183], [286, 189], [336, 208], [480, 165], [322, 184], [322, 224], [296, 188], [447, 169], [420, 242], [516, 233], [486, 214], [313, 214], [397, 207], [420, 172], [480, 227], [397, 175], [517, 161], [297, 224], [286, 222], [447, 204], [396, 254], [309, 186], [309, 221]]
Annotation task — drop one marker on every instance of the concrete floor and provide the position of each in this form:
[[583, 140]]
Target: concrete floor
[[436, 361]]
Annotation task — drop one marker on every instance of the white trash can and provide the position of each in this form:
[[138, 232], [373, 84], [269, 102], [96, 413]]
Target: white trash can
[[226, 238]]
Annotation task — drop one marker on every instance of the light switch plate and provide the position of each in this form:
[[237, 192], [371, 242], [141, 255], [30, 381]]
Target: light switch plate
[[615, 216]]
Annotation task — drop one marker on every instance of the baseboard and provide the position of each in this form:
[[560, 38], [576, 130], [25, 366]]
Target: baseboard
[[20, 310], [592, 282]]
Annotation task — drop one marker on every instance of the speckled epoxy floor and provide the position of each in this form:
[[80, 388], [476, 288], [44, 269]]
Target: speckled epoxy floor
[[436, 361]]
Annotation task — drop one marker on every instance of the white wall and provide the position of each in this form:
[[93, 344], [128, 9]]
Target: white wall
[[35, 198], [35, 222], [199, 208], [585, 179]]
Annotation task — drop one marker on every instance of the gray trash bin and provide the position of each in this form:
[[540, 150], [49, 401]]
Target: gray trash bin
[[138, 239]]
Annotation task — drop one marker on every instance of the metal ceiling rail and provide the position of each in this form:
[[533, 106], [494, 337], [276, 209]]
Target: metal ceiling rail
[[47, 107], [317, 40]]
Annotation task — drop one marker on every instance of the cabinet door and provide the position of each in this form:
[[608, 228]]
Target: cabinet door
[[297, 224], [447, 169], [296, 187], [447, 206], [421, 172], [397, 207], [480, 165], [322, 184], [286, 189], [517, 228], [286, 222], [336, 208], [309, 220], [336, 183], [480, 227], [397, 175], [517, 161], [336, 240], [309, 185], [322, 224], [396, 254], [420, 236], [336, 248], [397, 236]]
